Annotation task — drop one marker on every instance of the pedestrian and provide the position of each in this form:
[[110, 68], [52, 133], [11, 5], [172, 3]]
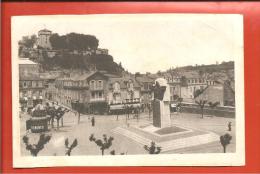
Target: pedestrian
[[93, 121], [229, 126]]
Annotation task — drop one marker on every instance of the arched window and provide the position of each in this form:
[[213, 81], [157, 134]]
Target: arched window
[[92, 84]]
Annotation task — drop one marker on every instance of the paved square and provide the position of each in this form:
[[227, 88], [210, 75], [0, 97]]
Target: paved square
[[109, 125]]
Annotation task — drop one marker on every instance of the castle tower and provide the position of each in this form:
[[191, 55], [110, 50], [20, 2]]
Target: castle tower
[[44, 38]]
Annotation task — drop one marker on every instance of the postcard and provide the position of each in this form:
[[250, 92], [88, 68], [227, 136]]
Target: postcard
[[128, 90]]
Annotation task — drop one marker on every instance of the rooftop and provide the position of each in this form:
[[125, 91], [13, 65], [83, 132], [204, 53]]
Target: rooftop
[[45, 30], [26, 61], [30, 77]]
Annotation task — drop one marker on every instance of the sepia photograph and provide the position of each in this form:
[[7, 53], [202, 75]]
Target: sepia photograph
[[114, 89]]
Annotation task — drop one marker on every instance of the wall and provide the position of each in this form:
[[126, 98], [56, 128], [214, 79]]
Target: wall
[[212, 94], [228, 112]]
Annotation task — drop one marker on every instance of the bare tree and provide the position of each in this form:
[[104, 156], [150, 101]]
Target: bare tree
[[201, 105], [104, 144], [36, 148], [70, 147]]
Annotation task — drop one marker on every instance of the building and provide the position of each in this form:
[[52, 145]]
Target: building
[[191, 83], [174, 81], [31, 89], [71, 89], [219, 92], [49, 84], [123, 90], [44, 39], [89, 89], [146, 85], [27, 67], [102, 51]]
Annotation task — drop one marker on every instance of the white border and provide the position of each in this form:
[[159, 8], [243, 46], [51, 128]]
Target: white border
[[212, 159]]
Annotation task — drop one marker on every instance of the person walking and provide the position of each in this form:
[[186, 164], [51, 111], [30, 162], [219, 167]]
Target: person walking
[[229, 126], [93, 121]]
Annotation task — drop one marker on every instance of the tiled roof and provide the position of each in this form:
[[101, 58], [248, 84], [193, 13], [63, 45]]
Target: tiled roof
[[122, 81]]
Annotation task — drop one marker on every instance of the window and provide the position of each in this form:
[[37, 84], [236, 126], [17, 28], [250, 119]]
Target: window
[[40, 84], [130, 85], [93, 94], [146, 86], [100, 85], [29, 84], [116, 87], [24, 84], [100, 94], [36, 84], [92, 84]]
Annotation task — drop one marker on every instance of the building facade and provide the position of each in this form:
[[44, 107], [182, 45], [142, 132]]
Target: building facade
[[123, 90], [27, 67], [44, 39], [31, 89], [219, 92]]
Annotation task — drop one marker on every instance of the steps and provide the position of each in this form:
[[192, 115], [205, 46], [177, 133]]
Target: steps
[[188, 141], [172, 144], [138, 138]]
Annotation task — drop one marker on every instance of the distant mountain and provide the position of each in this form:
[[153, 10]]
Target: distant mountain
[[224, 66]]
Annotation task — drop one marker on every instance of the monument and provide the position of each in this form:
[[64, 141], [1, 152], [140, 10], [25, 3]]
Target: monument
[[161, 131], [161, 104]]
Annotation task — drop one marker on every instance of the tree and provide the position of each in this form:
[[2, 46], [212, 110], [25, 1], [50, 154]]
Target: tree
[[197, 93], [104, 144], [201, 105], [213, 105], [26, 44], [79, 108], [58, 42], [28, 41], [153, 149], [225, 140], [36, 148], [74, 41], [70, 147]]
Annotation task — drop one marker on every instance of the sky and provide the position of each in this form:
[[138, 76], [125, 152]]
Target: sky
[[149, 42]]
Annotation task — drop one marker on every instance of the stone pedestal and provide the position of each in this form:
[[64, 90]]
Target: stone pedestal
[[161, 104], [161, 114]]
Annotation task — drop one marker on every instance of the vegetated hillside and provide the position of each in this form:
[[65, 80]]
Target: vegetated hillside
[[65, 60], [207, 69], [224, 66], [69, 51]]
